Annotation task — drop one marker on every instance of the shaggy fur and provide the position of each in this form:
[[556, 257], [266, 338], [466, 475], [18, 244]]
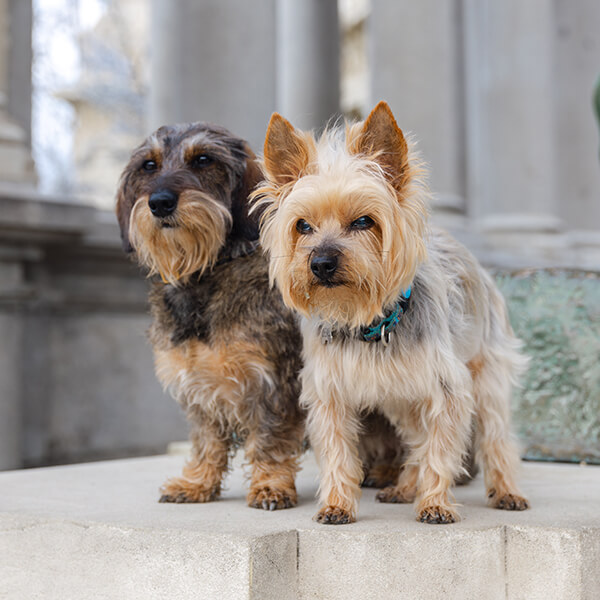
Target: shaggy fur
[[224, 343], [345, 227]]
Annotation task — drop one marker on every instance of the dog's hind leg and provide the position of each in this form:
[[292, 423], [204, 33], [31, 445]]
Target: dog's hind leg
[[470, 465], [381, 450], [404, 490], [493, 375]]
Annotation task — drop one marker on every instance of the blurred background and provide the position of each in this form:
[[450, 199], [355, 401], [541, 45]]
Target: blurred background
[[499, 93]]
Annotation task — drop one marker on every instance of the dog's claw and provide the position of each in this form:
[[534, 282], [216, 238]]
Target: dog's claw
[[270, 499], [508, 502], [436, 515], [333, 515]]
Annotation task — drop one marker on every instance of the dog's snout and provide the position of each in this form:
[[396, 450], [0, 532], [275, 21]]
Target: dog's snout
[[324, 265], [162, 203]]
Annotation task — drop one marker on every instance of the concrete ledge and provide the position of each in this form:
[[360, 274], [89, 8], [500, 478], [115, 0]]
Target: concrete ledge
[[97, 531]]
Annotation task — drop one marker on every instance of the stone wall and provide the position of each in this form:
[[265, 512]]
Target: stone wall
[[557, 315], [16, 164], [76, 372]]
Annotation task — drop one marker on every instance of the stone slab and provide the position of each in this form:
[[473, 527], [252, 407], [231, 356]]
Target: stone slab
[[97, 531], [556, 313]]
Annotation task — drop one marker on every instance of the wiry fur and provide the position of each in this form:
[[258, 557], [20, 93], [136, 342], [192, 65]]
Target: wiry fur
[[224, 343], [392, 249], [175, 255], [453, 355]]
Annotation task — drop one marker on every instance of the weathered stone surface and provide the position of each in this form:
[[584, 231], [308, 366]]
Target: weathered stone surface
[[428, 62], [216, 62], [308, 70], [597, 101], [76, 374], [557, 315], [97, 531], [420, 563], [562, 560], [16, 164]]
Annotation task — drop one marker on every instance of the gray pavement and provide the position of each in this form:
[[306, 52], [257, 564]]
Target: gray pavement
[[97, 531]]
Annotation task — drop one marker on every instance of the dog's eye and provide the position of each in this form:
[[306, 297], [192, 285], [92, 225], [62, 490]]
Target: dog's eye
[[303, 227], [201, 160], [364, 222], [149, 165]]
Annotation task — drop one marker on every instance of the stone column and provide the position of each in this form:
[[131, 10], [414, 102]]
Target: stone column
[[15, 366], [214, 60], [16, 169], [308, 69], [416, 66], [511, 143], [11, 360], [16, 164], [577, 52]]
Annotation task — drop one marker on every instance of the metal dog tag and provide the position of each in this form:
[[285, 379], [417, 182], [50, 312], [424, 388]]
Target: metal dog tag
[[326, 335]]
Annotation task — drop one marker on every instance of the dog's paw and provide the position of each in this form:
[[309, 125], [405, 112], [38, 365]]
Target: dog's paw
[[395, 495], [437, 515], [507, 501], [182, 491], [381, 476], [333, 515], [271, 499]]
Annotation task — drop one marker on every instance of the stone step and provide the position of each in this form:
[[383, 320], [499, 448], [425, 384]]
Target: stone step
[[97, 531]]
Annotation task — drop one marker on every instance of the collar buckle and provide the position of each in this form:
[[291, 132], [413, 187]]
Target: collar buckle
[[385, 335]]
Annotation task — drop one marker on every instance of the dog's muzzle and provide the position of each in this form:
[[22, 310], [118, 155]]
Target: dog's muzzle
[[324, 266], [162, 203]]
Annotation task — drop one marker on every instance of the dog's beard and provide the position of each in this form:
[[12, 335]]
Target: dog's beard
[[190, 242], [358, 296], [376, 265], [374, 268]]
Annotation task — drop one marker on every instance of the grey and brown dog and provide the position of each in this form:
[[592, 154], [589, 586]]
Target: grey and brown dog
[[224, 343]]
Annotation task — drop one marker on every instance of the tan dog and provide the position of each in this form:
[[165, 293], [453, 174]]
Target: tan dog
[[395, 317]]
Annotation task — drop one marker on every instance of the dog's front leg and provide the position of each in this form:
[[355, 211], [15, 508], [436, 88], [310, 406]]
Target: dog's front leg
[[333, 429], [439, 446], [204, 471], [273, 448]]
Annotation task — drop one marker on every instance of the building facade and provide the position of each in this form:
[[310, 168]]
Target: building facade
[[499, 96]]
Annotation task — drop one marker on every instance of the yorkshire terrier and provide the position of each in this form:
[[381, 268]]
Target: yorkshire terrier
[[224, 343], [396, 317]]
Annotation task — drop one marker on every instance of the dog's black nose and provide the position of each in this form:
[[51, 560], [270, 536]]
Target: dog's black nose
[[162, 203], [324, 266]]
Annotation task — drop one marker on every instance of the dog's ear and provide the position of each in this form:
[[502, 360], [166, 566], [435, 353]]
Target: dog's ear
[[123, 209], [286, 153], [382, 138], [245, 225]]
